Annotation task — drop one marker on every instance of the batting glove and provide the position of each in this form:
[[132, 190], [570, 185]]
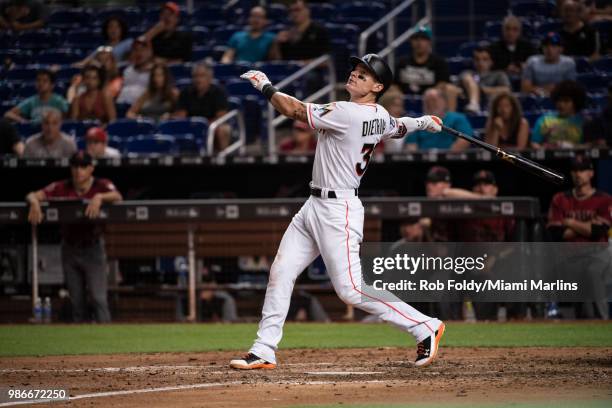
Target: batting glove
[[257, 78], [429, 123]]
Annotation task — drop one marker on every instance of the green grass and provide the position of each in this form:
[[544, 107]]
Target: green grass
[[31, 340]]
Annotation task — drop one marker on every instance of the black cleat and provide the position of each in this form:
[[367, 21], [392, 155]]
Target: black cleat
[[428, 348]]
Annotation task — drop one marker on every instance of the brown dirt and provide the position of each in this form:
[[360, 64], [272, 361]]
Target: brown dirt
[[460, 376]]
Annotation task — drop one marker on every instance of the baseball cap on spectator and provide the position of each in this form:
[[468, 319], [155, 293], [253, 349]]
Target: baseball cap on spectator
[[96, 134], [141, 40], [81, 159], [484, 176], [422, 32], [552, 38], [172, 6], [437, 174], [581, 162]]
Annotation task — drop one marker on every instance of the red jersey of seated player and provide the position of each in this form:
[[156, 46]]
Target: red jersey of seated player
[[85, 232], [596, 209]]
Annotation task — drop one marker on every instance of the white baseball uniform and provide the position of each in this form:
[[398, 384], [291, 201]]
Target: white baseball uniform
[[348, 132]]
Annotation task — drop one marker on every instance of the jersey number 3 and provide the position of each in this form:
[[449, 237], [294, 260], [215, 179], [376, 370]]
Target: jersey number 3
[[366, 150]]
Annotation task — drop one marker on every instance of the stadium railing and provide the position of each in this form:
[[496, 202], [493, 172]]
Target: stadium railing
[[390, 20]]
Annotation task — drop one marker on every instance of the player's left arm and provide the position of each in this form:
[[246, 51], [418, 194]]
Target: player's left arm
[[400, 127], [285, 104]]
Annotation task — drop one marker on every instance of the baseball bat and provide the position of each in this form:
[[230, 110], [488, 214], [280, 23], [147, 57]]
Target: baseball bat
[[514, 159]]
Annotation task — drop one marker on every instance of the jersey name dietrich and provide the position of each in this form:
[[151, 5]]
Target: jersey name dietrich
[[373, 127]]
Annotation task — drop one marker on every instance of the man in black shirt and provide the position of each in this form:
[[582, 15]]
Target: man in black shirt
[[423, 69], [511, 51], [205, 99], [22, 15], [10, 142], [305, 40], [577, 37], [169, 45]]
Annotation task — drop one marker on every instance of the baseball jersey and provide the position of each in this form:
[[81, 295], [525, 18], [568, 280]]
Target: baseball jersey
[[82, 232], [596, 209], [348, 133]]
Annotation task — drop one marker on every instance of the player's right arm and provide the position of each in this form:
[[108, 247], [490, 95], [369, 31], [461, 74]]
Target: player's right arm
[[34, 198], [285, 104]]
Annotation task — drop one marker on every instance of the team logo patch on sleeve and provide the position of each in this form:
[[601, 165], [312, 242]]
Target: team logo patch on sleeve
[[322, 110]]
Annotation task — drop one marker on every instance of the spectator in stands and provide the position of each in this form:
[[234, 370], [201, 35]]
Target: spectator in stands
[[254, 44], [577, 37], [393, 102], [506, 126], [301, 141], [114, 32], [10, 142], [97, 146], [483, 81], [205, 99], [169, 44], [434, 103], [306, 39], [22, 15], [104, 58], [598, 10], [51, 142], [31, 108], [544, 71], [511, 51], [136, 75], [422, 69], [598, 130], [159, 100], [563, 127], [83, 254], [583, 214], [94, 103]]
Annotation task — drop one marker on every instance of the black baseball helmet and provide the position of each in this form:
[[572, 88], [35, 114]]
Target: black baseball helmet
[[378, 67]]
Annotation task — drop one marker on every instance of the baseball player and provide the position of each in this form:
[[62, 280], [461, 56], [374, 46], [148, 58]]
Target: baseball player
[[330, 223]]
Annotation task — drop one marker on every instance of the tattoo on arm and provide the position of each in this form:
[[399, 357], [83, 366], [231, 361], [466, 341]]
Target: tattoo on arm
[[299, 113]]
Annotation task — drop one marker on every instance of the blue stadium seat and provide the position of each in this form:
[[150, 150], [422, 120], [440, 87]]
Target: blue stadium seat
[[467, 48], [21, 74], [241, 88], [201, 52], [39, 39], [593, 81], [196, 127], [180, 71], [532, 117], [603, 65], [69, 18], [605, 30], [583, 65], [76, 128], [27, 129], [529, 103], [276, 12], [7, 92], [458, 64], [131, 15], [122, 109], [371, 10], [278, 69], [200, 34], [493, 29], [547, 26], [534, 9], [546, 104], [59, 56], [225, 72], [234, 102], [222, 34], [150, 144], [347, 32], [597, 101], [26, 90], [83, 38], [209, 16], [66, 73], [413, 103], [125, 128], [477, 121], [18, 57], [322, 11], [188, 144], [254, 110]]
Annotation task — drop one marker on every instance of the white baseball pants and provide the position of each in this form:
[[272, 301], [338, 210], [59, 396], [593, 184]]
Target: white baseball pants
[[334, 229]]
